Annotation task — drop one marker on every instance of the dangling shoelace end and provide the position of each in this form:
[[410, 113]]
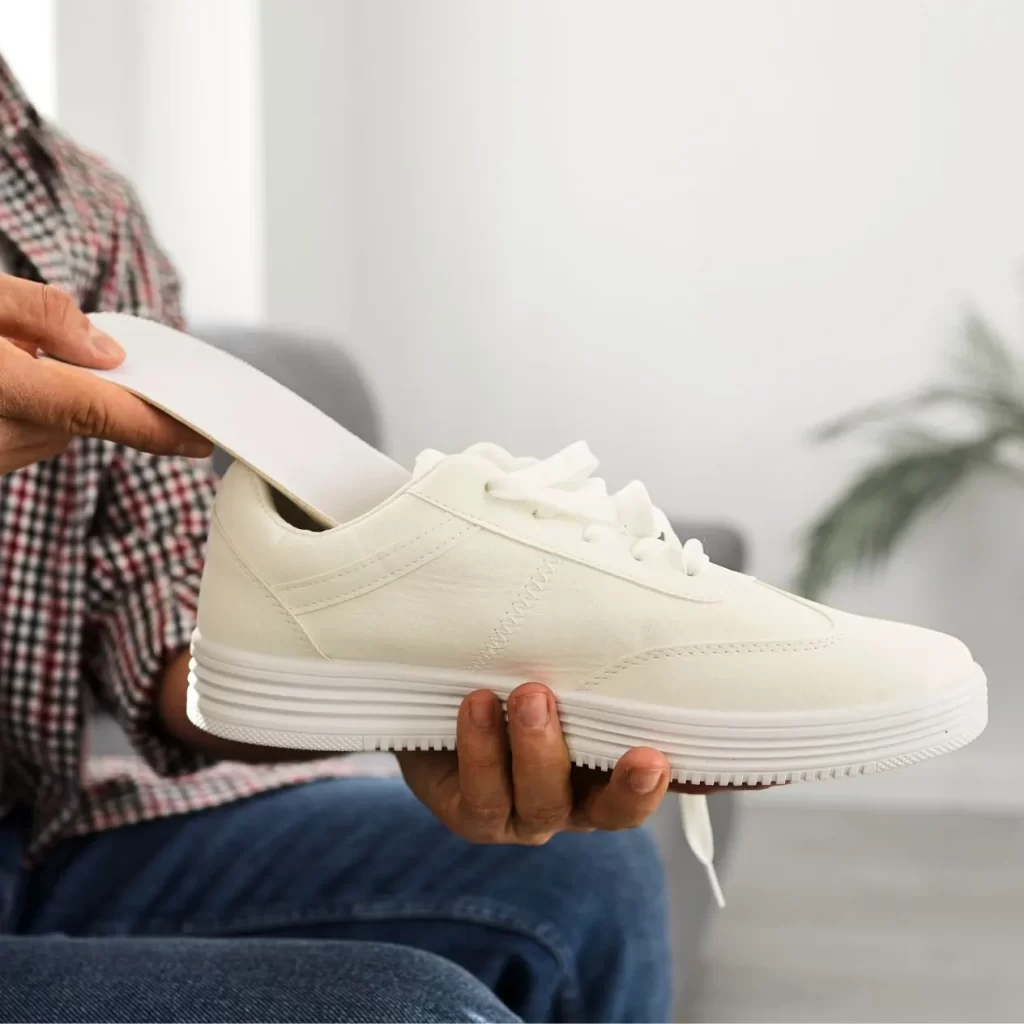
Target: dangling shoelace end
[[716, 888], [693, 809]]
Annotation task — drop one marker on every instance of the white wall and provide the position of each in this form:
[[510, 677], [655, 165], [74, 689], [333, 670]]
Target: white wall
[[29, 46], [98, 88], [200, 149], [169, 92], [306, 95], [689, 231]]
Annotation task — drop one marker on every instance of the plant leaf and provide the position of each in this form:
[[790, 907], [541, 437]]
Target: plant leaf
[[987, 360], [992, 386], [889, 409], [865, 523]]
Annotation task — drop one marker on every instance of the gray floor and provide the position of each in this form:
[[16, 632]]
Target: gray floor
[[862, 915]]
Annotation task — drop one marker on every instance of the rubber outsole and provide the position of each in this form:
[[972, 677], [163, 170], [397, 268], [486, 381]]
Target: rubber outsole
[[347, 707]]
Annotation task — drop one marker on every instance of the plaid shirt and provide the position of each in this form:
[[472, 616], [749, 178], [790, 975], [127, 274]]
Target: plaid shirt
[[101, 549]]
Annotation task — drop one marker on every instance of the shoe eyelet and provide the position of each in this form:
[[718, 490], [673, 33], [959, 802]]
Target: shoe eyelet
[[487, 487], [534, 514]]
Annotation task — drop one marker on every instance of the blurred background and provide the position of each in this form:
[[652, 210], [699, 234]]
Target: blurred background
[[688, 231]]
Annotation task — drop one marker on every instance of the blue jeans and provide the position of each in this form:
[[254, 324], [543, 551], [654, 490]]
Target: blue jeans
[[574, 930], [241, 980]]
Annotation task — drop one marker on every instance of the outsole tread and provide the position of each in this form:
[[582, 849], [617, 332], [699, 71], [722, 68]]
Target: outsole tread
[[586, 759], [392, 713]]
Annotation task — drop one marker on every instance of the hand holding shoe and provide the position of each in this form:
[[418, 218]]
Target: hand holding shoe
[[516, 784]]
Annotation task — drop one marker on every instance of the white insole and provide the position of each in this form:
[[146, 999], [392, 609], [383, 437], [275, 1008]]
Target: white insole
[[300, 450]]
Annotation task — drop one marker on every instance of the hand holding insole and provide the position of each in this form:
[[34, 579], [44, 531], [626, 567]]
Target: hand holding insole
[[321, 466]]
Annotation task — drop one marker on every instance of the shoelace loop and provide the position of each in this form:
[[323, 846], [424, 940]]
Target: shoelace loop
[[564, 486]]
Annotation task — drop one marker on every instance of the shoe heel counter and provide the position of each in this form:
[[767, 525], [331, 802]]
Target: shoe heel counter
[[239, 610]]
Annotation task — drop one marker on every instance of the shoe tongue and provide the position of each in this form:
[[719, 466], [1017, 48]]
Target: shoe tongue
[[493, 453], [426, 461]]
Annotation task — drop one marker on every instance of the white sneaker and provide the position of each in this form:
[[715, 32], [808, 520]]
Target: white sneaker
[[488, 571]]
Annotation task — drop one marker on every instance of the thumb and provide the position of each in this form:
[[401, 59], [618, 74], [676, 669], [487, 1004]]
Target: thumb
[[68, 399], [41, 316]]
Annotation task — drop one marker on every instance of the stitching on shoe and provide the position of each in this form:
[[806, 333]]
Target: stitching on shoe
[[521, 606], [446, 544], [265, 590], [362, 563], [693, 650], [517, 539]]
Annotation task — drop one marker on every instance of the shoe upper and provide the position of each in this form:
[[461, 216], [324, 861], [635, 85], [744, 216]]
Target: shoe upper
[[468, 569]]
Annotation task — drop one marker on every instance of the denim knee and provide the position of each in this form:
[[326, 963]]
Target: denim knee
[[435, 989], [624, 872], [618, 909], [203, 980]]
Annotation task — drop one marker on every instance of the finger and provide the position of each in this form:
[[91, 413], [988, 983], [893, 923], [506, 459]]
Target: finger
[[16, 434], [542, 790], [70, 400], [19, 458], [44, 316], [484, 780], [433, 777], [632, 793], [22, 444]]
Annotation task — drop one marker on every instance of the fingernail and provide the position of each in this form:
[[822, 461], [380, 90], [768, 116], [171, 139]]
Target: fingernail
[[644, 780], [532, 710], [104, 344], [481, 711]]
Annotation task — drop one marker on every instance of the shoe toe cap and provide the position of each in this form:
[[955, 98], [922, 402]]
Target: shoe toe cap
[[860, 662], [885, 661]]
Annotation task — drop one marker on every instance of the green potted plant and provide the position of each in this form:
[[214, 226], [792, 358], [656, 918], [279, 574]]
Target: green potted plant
[[920, 466]]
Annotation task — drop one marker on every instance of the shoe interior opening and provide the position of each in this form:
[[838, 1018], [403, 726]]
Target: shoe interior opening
[[292, 514]]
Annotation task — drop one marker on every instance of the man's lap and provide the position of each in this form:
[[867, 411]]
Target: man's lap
[[361, 859], [110, 979]]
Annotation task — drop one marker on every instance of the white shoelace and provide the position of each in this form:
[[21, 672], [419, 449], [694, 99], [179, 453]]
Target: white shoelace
[[564, 486]]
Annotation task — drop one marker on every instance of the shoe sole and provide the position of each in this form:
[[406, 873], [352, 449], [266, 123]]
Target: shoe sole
[[349, 706]]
